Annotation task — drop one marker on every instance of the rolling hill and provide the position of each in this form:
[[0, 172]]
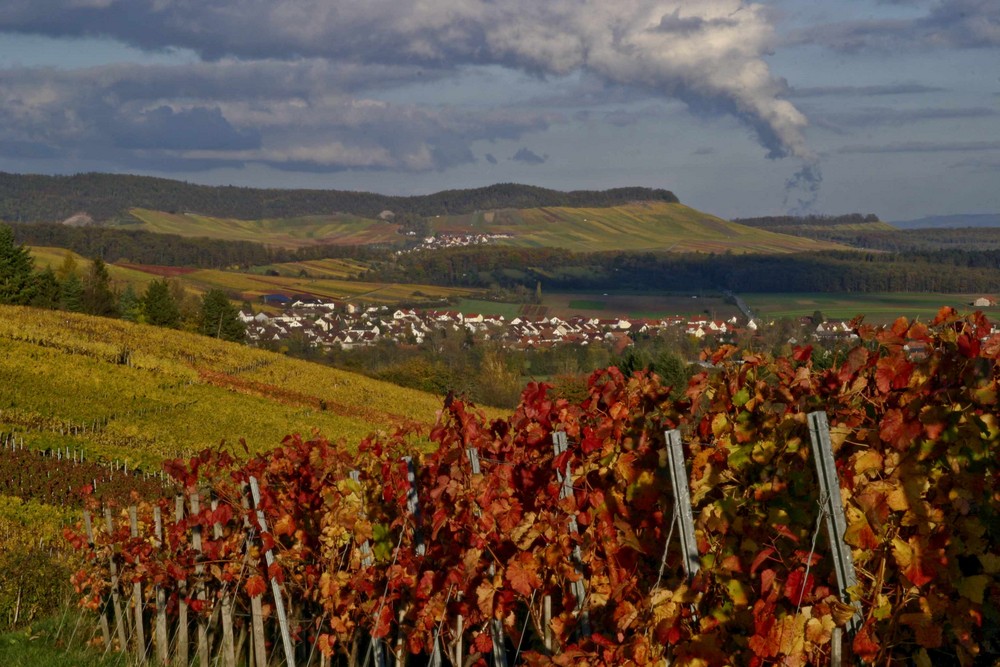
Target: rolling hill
[[636, 226], [156, 393]]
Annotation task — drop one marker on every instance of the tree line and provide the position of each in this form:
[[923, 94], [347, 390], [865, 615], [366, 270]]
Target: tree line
[[952, 270], [88, 290], [107, 197], [141, 247]]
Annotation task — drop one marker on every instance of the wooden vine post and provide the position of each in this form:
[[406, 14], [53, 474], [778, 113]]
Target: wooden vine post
[[160, 633], [137, 602], [115, 596], [279, 604], [103, 612], [199, 571], [682, 502], [182, 608], [257, 649], [836, 523], [560, 445], [496, 625], [225, 607], [367, 560]]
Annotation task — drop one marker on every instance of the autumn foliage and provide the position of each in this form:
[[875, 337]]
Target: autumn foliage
[[914, 421]]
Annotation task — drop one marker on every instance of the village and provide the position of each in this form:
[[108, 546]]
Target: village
[[325, 324]]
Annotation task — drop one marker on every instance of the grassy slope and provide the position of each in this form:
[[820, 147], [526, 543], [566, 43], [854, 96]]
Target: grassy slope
[[640, 226], [182, 391], [283, 232]]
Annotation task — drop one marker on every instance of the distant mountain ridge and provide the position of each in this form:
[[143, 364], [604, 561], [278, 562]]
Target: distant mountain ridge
[[107, 197], [950, 221]]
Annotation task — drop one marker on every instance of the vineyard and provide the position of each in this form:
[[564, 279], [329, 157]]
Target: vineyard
[[142, 394], [497, 547]]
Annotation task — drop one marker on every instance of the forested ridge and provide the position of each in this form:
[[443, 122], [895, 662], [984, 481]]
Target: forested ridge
[[105, 197]]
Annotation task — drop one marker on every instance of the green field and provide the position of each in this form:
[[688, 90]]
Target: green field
[[587, 304], [178, 393], [473, 306], [639, 226], [877, 308], [282, 232], [638, 305]]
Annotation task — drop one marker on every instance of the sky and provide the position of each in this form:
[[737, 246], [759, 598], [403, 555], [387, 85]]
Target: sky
[[741, 108]]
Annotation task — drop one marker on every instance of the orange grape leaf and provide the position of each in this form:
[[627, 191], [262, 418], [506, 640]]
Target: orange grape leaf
[[865, 645], [483, 643], [522, 574], [255, 586], [485, 593]]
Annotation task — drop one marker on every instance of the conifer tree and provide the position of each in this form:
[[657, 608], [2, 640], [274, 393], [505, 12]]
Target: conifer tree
[[71, 294], [16, 270], [98, 299], [220, 318], [159, 307], [129, 304], [47, 290]]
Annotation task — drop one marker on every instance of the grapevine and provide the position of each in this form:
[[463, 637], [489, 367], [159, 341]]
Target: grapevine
[[913, 411]]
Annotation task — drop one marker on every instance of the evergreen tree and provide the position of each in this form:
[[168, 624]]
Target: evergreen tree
[[71, 294], [98, 299], [220, 318], [16, 270], [129, 304], [159, 307], [47, 291]]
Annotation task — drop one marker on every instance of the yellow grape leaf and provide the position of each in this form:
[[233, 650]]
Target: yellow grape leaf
[[974, 587], [867, 461], [738, 593], [923, 659], [720, 424], [524, 533], [820, 630], [897, 499], [792, 636], [838, 434]]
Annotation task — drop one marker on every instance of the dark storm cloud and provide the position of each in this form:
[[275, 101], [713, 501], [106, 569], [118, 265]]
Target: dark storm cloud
[[709, 53], [188, 117], [489, 157], [196, 128], [528, 157], [965, 24]]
